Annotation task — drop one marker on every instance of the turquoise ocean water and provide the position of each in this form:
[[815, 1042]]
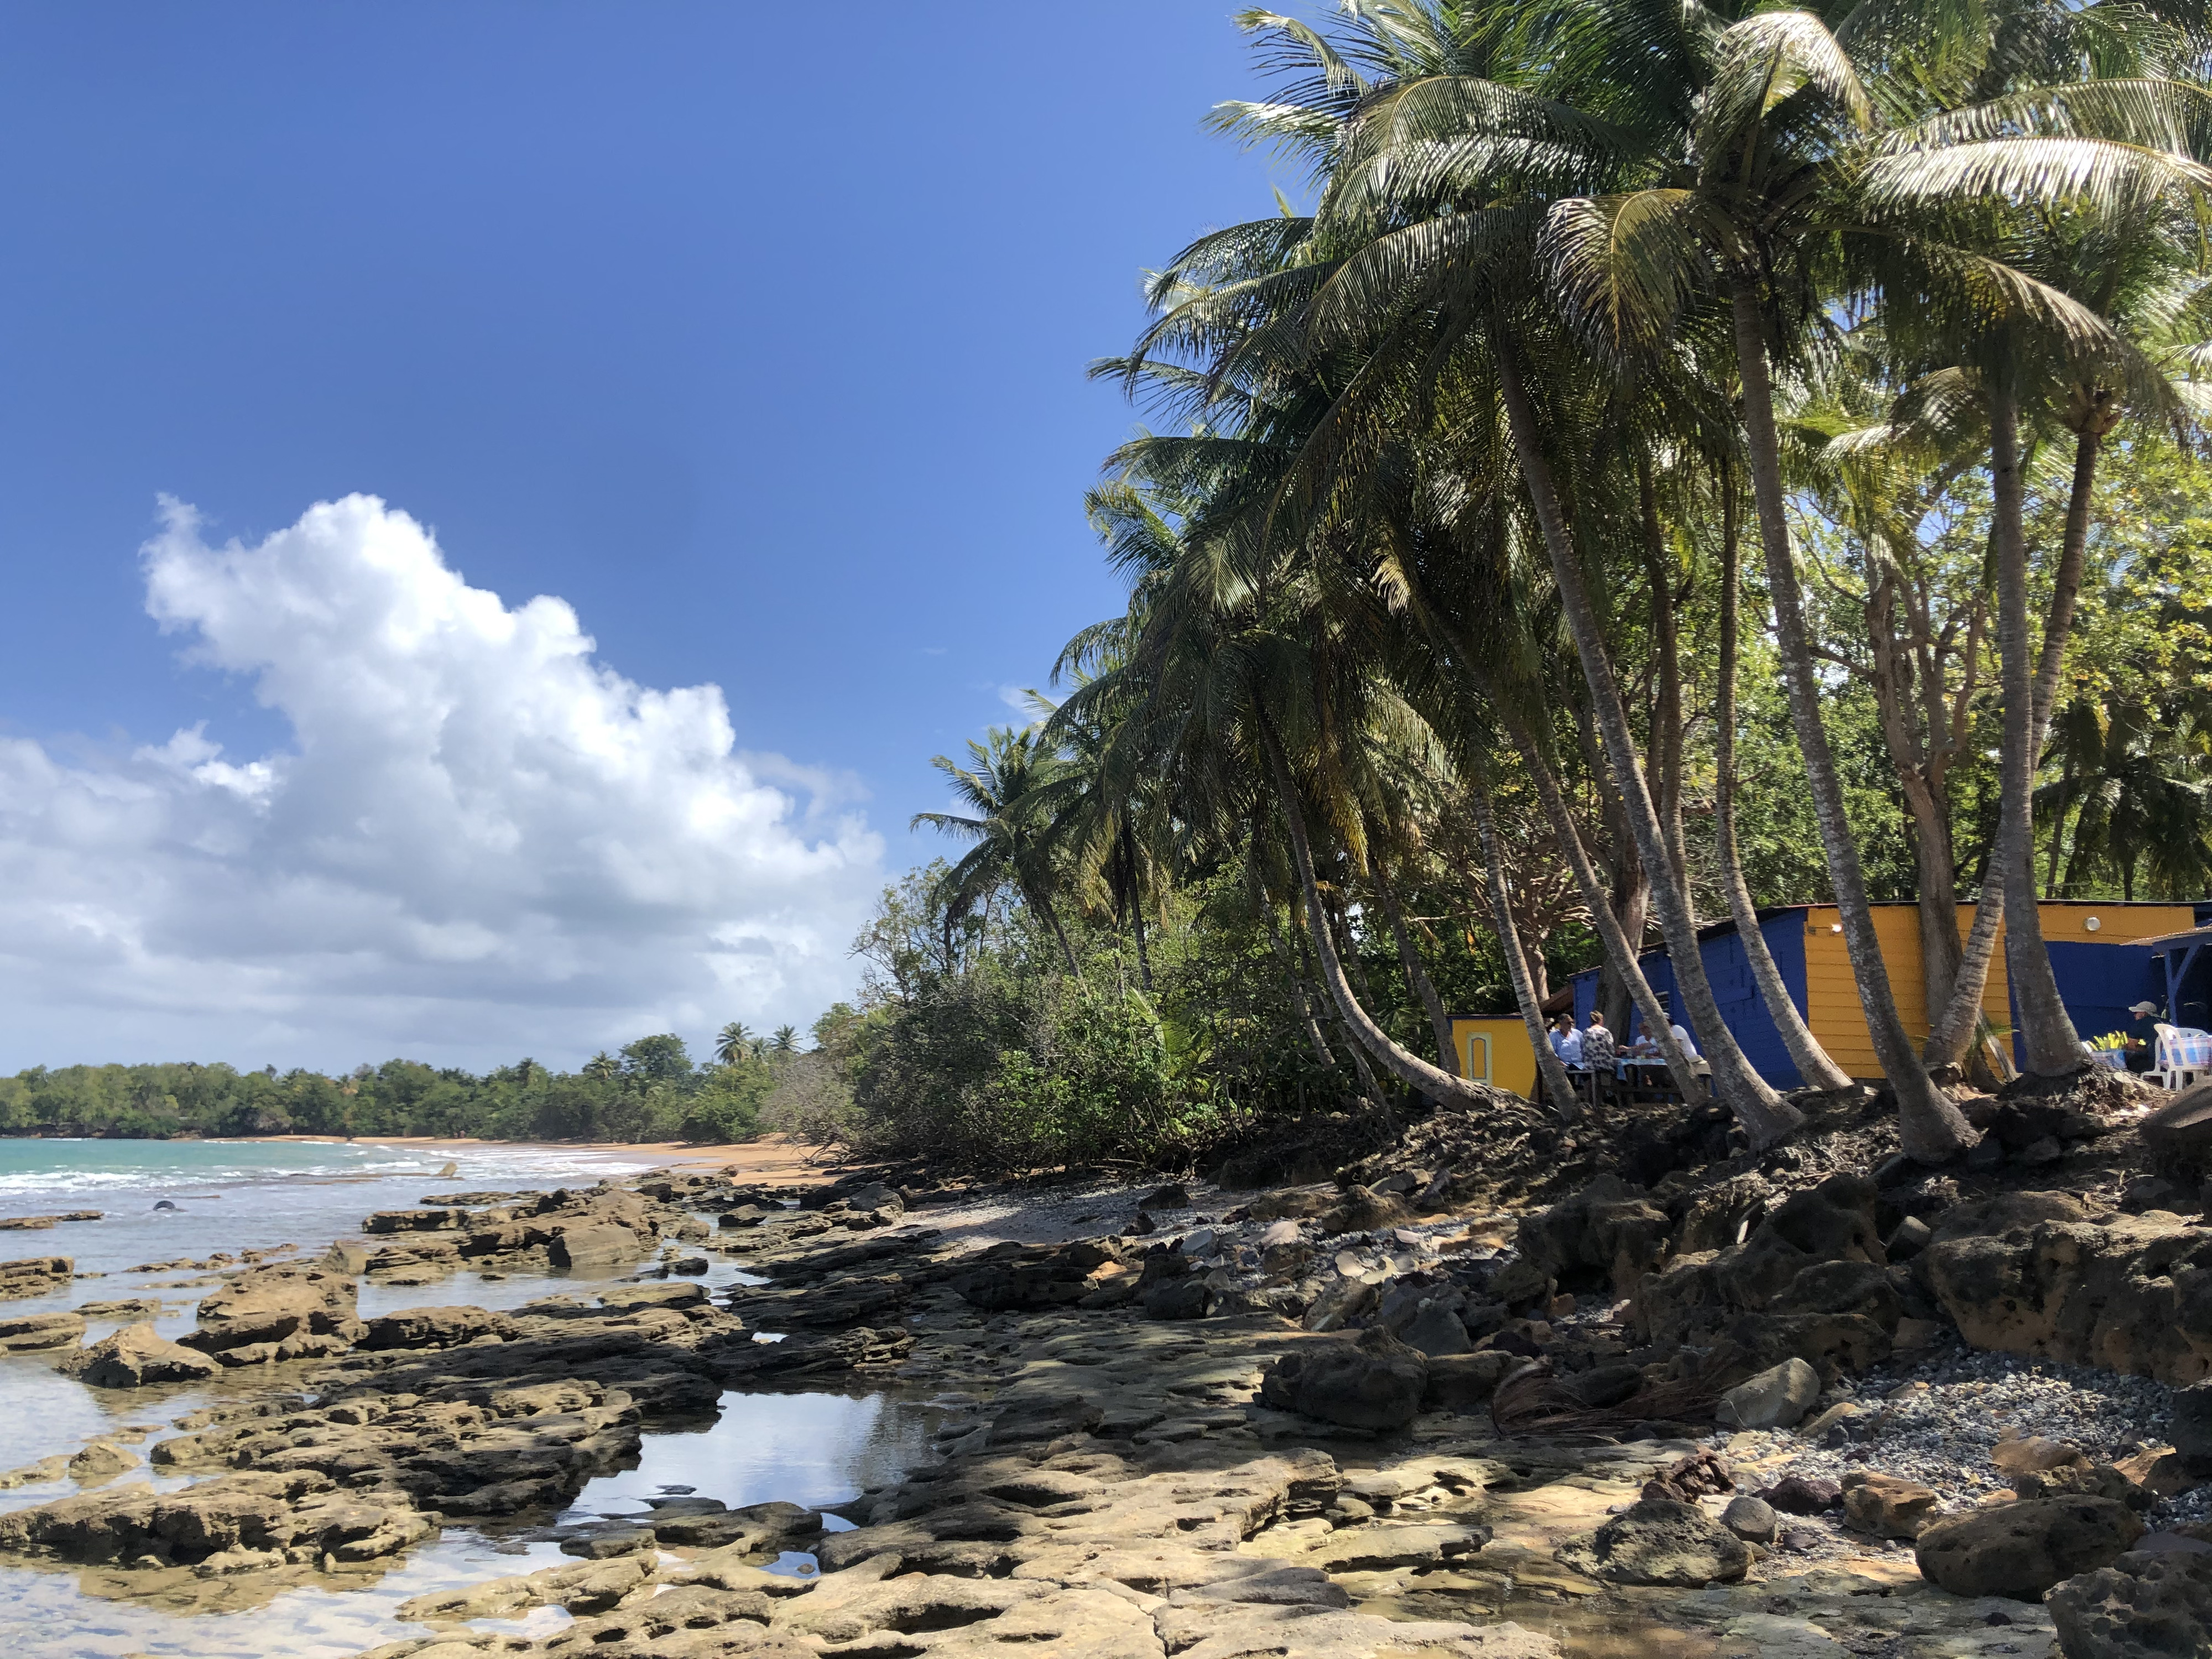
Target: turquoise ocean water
[[229, 1196], [250, 1194]]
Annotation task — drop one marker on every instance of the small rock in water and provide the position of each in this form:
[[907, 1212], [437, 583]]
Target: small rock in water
[[1657, 1542], [99, 1460]]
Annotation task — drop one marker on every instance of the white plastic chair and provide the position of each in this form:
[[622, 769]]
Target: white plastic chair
[[2180, 1055]]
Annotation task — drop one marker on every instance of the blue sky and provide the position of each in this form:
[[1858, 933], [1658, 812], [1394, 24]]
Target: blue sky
[[759, 339]]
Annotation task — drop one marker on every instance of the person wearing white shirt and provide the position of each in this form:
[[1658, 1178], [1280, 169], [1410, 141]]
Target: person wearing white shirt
[[1682, 1037], [1566, 1041]]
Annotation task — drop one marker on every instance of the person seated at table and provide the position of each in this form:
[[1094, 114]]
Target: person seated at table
[[2142, 1035], [1647, 1047], [1566, 1041], [1600, 1051]]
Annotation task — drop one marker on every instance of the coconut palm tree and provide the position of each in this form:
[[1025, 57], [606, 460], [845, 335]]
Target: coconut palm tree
[[1233, 660], [1458, 268], [2137, 778], [1004, 788], [733, 1042], [1787, 181]]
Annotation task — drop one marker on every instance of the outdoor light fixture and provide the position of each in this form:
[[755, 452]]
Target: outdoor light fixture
[[2090, 925]]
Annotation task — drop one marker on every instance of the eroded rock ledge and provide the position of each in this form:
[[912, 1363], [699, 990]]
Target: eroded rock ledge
[[1361, 1418]]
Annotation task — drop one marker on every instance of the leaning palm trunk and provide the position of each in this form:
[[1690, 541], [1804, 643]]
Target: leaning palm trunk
[[1136, 890], [1417, 975], [1954, 1033], [1559, 1087], [1291, 975], [1407, 1067], [1665, 765], [2066, 580], [1931, 1128], [1621, 958], [2053, 1048], [1043, 906], [1370, 1091], [1766, 1116], [1814, 1065], [1620, 951]]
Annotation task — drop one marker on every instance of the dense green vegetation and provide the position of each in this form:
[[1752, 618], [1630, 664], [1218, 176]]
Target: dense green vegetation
[[651, 1091]]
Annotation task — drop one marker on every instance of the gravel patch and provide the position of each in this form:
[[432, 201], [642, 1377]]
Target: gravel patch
[[1936, 1421]]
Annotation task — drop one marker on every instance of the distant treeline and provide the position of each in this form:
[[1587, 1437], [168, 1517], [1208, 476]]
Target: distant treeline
[[653, 1091]]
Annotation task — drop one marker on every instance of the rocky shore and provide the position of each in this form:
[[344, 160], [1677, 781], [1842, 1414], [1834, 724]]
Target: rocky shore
[[1813, 1402]]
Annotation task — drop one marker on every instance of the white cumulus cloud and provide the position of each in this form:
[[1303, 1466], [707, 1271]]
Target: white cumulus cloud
[[480, 841]]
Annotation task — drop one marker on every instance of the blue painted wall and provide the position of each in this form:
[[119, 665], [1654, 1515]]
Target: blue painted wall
[[2098, 981], [1729, 971]]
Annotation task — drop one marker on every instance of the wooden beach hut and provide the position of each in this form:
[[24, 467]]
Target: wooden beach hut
[[2105, 955]]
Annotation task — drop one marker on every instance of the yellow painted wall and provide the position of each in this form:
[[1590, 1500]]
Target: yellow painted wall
[[2063, 921], [1512, 1062], [1833, 1010]]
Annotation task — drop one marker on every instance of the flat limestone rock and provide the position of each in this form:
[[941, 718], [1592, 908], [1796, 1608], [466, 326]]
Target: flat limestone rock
[[1656, 1542], [136, 1357], [35, 1275], [28, 1333], [1237, 1631], [100, 1460], [270, 1304], [232, 1523]]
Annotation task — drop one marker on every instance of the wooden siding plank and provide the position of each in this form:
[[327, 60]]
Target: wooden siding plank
[[1833, 1010]]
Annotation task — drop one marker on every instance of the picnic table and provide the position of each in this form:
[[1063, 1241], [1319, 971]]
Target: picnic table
[[1647, 1078]]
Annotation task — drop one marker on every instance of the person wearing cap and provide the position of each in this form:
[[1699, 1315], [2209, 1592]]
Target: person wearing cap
[[2142, 1035]]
